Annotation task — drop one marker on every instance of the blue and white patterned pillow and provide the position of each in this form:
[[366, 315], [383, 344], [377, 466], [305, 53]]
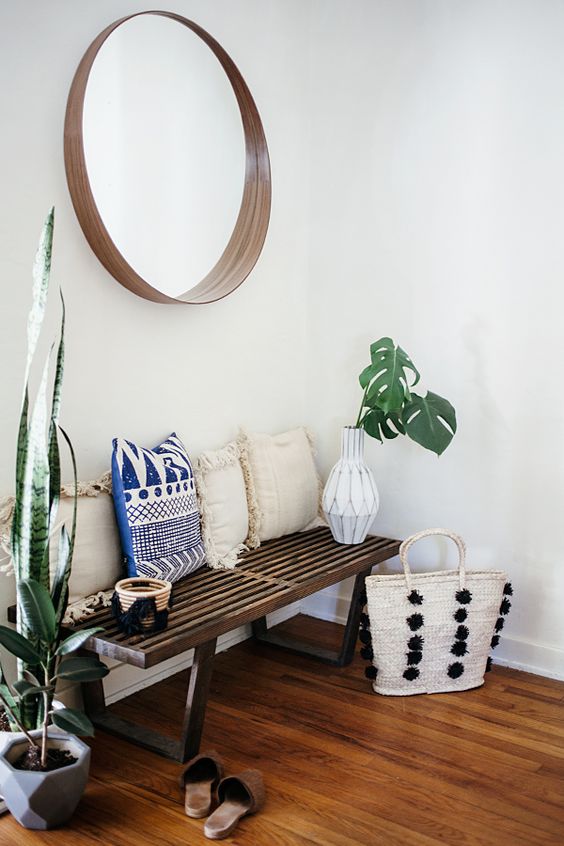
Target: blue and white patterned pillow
[[156, 509]]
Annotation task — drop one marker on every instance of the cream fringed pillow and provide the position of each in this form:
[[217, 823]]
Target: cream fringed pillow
[[223, 507], [97, 560], [282, 479]]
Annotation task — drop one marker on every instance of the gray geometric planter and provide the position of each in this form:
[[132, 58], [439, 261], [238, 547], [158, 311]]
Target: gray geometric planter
[[44, 800]]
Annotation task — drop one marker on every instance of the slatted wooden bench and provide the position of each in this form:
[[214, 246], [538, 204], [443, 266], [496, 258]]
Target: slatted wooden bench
[[213, 602]]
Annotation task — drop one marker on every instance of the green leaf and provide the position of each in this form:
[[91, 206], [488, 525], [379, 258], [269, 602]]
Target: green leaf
[[21, 453], [37, 610], [30, 527], [34, 503], [31, 678], [21, 519], [378, 424], [54, 457], [24, 688], [367, 375], [388, 376], [76, 640], [372, 422], [430, 421], [41, 273], [73, 721], [10, 705], [82, 669], [19, 645], [60, 581], [61, 576]]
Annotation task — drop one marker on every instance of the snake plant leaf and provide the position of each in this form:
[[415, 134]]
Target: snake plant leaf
[[59, 580], [54, 457], [389, 376], [33, 526], [21, 454], [19, 645], [37, 610], [77, 639], [73, 722], [430, 421], [41, 273], [82, 669], [59, 587]]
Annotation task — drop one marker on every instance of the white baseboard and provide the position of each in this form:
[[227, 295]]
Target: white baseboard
[[538, 658], [124, 679], [531, 657]]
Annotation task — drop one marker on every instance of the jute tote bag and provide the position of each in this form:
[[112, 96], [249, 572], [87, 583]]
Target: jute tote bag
[[431, 632]]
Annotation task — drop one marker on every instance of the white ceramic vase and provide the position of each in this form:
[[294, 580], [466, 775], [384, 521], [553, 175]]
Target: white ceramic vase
[[350, 497]]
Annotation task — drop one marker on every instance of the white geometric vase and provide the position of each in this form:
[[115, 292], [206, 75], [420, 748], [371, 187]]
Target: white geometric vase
[[350, 498]]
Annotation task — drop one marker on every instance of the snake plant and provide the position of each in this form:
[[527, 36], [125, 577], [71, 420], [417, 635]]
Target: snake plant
[[390, 407], [38, 481]]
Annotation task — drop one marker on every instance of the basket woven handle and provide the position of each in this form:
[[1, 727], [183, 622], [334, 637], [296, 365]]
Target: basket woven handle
[[428, 533]]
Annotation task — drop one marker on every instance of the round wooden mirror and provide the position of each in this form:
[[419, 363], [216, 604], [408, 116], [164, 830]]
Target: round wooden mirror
[[166, 160]]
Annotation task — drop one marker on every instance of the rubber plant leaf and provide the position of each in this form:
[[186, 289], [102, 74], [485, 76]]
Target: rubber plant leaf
[[18, 645], [82, 669], [73, 721], [430, 421], [77, 639], [24, 688], [37, 609]]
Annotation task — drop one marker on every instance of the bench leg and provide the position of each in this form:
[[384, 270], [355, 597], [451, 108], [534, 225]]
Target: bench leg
[[337, 659], [194, 714], [196, 701], [93, 697]]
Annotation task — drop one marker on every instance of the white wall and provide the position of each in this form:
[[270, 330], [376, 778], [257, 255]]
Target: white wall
[[416, 152], [135, 368], [437, 166]]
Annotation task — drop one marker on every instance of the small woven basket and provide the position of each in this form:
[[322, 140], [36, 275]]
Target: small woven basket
[[432, 632], [131, 590]]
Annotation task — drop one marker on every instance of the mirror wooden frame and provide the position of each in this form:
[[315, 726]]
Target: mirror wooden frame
[[246, 242]]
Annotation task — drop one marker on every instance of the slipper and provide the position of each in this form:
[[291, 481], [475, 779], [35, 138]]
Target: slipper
[[238, 795], [199, 779]]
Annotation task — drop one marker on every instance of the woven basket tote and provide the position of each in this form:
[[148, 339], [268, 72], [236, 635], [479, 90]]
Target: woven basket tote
[[431, 632]]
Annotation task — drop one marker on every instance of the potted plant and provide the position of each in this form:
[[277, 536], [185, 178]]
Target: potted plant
[[43, 773], [38, 644], [389, 407]]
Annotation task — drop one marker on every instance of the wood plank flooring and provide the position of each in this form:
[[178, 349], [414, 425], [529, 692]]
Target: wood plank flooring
[[341, 765]]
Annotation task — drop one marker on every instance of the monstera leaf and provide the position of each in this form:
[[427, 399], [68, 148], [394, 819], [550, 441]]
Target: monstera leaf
[[386, 379], [430, 421], [377, 424]]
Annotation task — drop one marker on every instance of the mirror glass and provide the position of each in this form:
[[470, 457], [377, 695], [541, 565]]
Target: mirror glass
[[164, 149]]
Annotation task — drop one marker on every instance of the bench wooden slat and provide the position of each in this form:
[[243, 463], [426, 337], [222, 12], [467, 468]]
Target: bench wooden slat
[[213, 602]]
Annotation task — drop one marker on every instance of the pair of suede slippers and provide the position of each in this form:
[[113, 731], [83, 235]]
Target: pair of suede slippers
[[205, 787]]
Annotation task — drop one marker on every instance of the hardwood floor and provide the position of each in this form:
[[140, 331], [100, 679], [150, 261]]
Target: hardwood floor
[[341, 764]]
